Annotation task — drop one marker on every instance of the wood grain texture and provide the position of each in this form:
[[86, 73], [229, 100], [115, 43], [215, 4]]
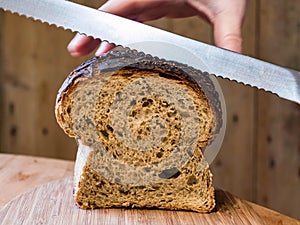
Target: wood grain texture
[[259, 160], [19, 174], [278, 158], [237, 156], [1, 75], [36, 63], [53, 203]]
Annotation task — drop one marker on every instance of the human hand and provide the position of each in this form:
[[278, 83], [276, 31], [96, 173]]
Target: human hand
[[226, 17]]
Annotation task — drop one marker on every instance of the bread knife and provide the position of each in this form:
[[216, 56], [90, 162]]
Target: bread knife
[[281, 81]]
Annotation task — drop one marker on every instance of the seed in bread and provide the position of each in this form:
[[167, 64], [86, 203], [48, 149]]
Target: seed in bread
[[141, 124]]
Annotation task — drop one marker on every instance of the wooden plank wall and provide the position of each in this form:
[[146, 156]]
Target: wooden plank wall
[[278, 125], [1, 77], [260, 157]]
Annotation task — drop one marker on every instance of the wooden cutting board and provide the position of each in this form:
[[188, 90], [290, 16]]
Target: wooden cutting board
[[53, 203]]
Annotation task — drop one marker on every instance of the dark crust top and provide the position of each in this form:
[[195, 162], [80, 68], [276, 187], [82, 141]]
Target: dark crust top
[[126, 58]]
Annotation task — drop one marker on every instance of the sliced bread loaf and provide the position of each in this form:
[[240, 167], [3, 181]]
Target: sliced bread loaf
[[141, 124]]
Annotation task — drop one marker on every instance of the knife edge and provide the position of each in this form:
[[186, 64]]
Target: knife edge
[[219, 62]]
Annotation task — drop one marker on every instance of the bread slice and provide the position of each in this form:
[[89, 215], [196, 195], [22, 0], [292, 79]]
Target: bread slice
[[141, 124]]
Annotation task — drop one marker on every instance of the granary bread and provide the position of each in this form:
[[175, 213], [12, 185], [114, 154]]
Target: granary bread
[[141, 124]]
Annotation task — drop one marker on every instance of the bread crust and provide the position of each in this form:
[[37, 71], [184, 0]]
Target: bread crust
[[189, 185], [115, 60]]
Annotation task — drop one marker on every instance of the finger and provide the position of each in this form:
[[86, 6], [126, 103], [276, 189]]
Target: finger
[[81, 45], [142, 11], [129, 8], [103, 48], [227, 29], [227, 34]]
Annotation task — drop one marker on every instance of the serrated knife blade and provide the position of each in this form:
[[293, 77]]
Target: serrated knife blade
[[282, 81]]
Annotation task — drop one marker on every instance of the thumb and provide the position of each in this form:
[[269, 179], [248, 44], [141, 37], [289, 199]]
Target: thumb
[[227, 31]]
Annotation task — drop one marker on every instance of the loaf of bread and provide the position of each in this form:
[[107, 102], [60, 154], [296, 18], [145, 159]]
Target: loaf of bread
[[141, 124]]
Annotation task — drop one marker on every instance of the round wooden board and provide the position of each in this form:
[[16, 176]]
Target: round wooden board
[[53, 203]]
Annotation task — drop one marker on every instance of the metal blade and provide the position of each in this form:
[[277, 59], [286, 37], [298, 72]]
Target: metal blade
[[281, 81]]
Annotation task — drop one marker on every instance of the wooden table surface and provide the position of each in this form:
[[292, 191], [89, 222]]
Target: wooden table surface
[[19, 174]]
